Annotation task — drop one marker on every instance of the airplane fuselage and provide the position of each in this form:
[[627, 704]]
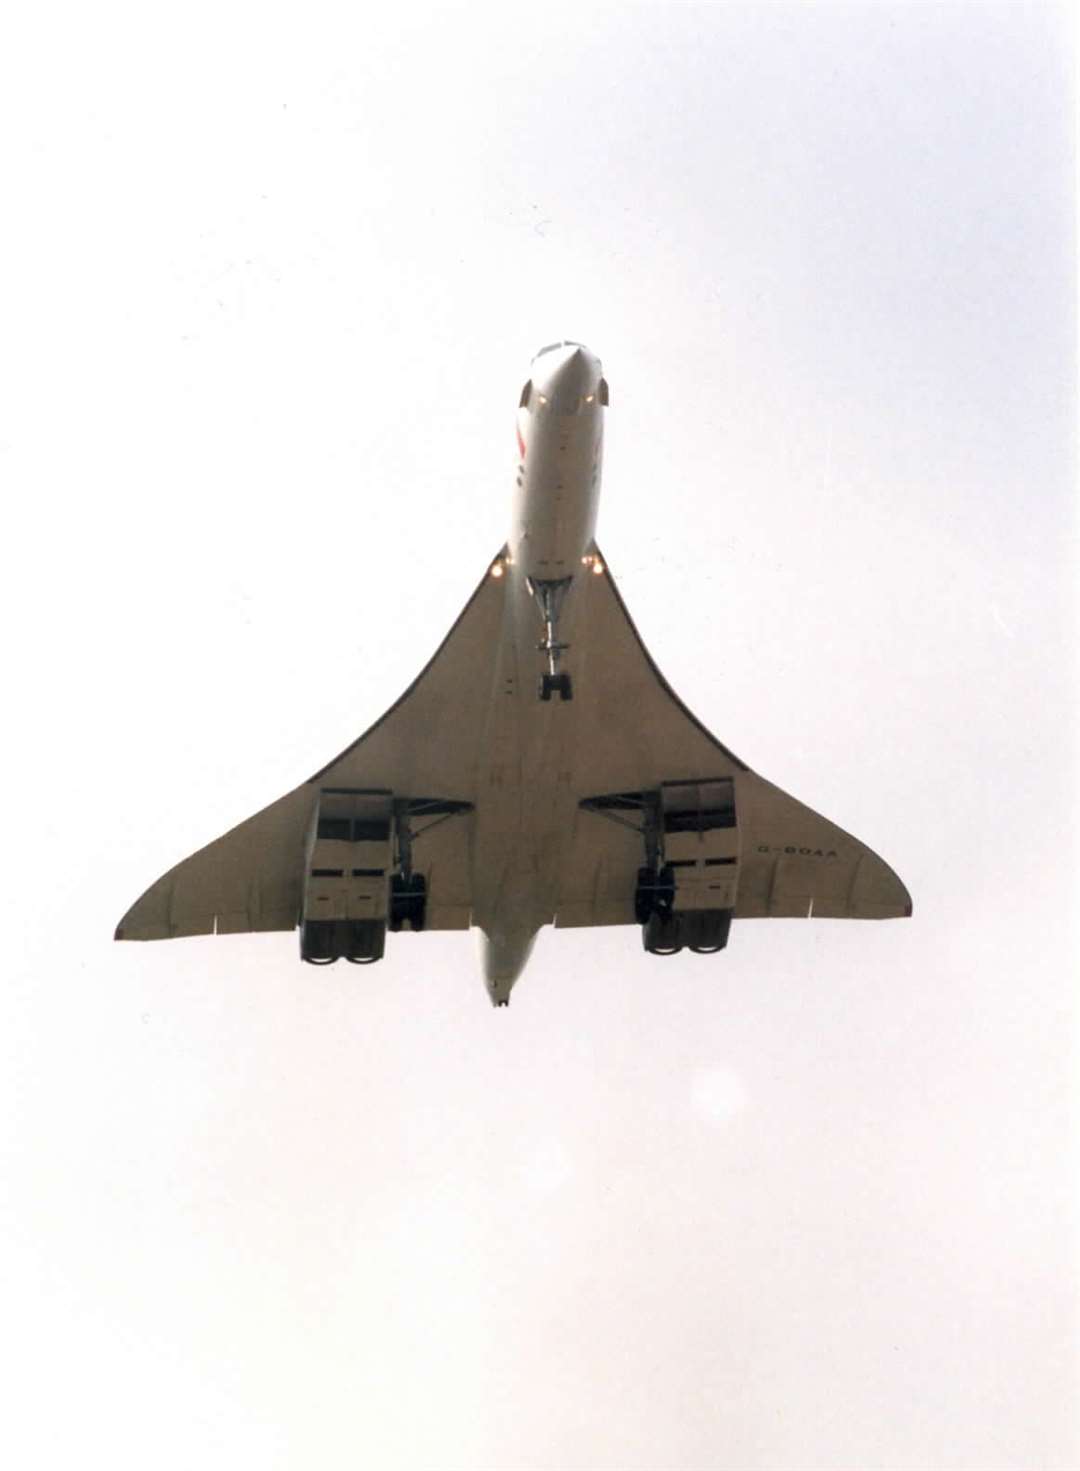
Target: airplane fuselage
[[560, 429], [527, 750]]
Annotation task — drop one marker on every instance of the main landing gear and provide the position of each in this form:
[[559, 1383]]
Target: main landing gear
[[360, 880], [686, 888], [549, 596]]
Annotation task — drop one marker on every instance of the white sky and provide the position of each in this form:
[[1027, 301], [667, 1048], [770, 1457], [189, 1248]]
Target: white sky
[[271, 281]]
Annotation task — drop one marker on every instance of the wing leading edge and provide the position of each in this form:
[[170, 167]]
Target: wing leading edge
[[788, 861], [631, 735], [252, 877]]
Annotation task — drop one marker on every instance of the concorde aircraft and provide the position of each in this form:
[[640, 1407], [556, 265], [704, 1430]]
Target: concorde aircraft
[[540, 770]]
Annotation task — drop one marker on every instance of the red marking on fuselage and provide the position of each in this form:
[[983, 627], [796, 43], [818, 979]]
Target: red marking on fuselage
[[521, 442]]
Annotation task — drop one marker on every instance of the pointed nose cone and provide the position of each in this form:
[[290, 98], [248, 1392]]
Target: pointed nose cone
[[566, 369]]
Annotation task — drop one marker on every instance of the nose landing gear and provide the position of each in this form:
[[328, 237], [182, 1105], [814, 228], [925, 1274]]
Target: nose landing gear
[[550, 595], [556, 684]]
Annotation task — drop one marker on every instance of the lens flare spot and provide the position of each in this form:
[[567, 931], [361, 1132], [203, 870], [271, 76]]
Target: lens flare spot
[[719, 1095]]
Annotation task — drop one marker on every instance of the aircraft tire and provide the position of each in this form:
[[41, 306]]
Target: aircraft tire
[[558, 684]]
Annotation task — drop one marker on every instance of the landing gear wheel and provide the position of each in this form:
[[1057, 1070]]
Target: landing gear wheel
[[556, 684], [655, 893], [408, 897]]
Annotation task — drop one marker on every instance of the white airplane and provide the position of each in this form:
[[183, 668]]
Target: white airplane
[[540, 770]]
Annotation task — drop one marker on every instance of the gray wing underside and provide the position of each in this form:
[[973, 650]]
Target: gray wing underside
[[632, 732], [248, 879], [251, 878], [793, 862]]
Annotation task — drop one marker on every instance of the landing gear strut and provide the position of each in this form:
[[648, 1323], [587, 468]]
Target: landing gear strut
[[550, 595], [686, 888]]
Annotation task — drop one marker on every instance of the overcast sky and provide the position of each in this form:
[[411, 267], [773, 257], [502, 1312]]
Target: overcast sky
[[272, 277]]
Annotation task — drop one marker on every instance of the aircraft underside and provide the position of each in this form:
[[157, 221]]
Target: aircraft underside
[[540, 770]]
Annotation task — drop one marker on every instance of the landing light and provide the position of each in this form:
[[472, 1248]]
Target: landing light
[[598, 566], [497, 569], [589, 397]]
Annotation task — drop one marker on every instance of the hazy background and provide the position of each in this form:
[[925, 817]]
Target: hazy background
[[272, 277]]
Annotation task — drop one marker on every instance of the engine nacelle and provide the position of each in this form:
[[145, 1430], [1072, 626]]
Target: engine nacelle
[[359, 879], [688, 898], [350, 857]]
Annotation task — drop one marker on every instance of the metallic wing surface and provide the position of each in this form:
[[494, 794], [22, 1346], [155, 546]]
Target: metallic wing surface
[[637, 737], [253, 877]]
